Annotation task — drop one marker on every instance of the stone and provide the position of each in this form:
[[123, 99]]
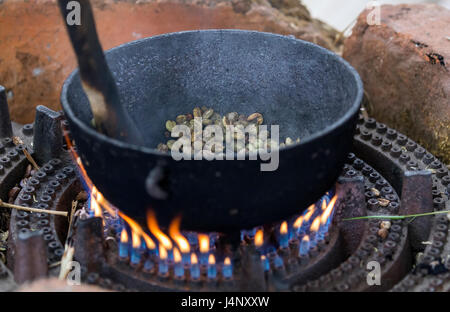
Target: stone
[[37, 57], [405, 66]]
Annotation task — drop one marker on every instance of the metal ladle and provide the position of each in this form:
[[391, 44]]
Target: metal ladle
[[110, 116]]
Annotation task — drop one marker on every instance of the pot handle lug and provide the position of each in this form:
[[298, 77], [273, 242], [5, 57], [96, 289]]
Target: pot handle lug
[[153, 182]]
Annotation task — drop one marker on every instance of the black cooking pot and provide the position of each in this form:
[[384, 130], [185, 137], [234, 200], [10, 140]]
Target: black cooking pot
[[308, 91]]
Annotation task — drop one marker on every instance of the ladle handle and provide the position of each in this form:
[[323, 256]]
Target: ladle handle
[[110, 116]]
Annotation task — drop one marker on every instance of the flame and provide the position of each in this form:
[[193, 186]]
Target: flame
[[327, 213], [95, 206], [162, 252], [298, 223], [96, 196], [259, 238], [154, 228], [203, 240], [135, 227], [166, 242], [174, 232], [284, 228], [211, 259], [78, 161], [194, 259], [309, 213], [315, 225], [263, 258], [124, 236], [148, 241], [176, 255], [135, 239], [99, 196]]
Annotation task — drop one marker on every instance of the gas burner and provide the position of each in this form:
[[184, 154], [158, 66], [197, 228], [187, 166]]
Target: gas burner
[[300, 254]]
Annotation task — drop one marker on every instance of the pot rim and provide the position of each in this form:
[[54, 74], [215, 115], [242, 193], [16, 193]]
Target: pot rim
[[148, 150]]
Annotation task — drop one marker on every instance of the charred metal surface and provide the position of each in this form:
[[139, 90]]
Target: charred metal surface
[[12, 159], [351, 274], [88, 243], [330, 255], [249, 274], [53, 187], [285, 267], [12, 166], [7, 282], [416, 199], [48, 138], [252, 278], [351, 204], [369, 185], [393, 154], [5, 121], [31, 257]]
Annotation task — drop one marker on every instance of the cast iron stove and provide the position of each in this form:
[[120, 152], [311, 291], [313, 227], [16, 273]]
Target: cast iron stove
[[386, 174]]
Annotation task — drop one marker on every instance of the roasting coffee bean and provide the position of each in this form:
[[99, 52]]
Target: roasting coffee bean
[[242, 142], [170, 124]]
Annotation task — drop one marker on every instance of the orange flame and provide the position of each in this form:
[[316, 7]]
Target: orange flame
[[78, 161], [148, 241], [326, 214], [194, 259], [284, 228], [94, 204], [316, 224], [124, 236], [135, 227], [211, 259], [176, 255], [309, 213], [203, 240], [96, 196], [100, 197], [298, 223], [324, 204], [174, 232], [259, 238], [135, 239], [162, 252], [154, 228], [227, 261]]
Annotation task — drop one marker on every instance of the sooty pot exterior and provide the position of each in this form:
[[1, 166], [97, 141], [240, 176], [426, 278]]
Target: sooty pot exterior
[[308, 91]]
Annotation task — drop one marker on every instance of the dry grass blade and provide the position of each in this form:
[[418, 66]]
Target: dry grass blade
[[341, 35], [66, 262], [411, 216], [72, 213], [30, 159], [54, 264], [52, 212], [18, 141]]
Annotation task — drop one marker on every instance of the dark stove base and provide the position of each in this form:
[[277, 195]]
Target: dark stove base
[[383, 161]]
